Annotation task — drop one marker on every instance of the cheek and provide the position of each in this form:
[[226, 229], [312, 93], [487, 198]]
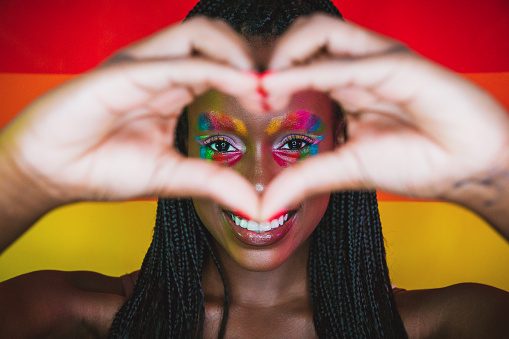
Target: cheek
[[226, 159], [208, 213], [313, 211], [286, 158]]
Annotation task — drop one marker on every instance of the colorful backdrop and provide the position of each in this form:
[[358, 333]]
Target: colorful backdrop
[[429, 244]]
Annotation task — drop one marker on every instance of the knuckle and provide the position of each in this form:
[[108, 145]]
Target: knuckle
[[400, 48], [120, 57]]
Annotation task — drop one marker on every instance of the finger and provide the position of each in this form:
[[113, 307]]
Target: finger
[[185, 177], [367, 78], [324, 173], [127, 91], [196, 74], [382, 83], [210, 38], [320, 33], [400, 84]]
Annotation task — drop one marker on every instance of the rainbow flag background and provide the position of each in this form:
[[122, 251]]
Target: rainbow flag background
[[429, 244]]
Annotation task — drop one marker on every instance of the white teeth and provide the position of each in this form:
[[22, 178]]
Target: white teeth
[[265, 226], [253, 226], [259, 228], [243, 223], [274, 223]]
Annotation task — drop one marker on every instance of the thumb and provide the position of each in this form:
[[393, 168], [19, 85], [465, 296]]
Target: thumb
[[333, 171], [197, 178]]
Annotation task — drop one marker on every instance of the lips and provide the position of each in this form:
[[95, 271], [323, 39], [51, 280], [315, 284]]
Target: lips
[[266, 233]]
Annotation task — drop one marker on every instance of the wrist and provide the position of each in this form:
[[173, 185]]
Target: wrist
[[486, 193], [23, 198]]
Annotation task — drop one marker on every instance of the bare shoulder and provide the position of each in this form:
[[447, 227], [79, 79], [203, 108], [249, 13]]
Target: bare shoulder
[[59, 304], [465, 310]]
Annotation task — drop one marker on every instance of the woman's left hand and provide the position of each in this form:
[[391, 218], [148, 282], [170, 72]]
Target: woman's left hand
[[413, 127]]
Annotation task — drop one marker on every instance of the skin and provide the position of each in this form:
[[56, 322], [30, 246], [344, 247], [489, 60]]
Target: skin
[[391, 116], [385, 111], [283, 306], [259, 167]]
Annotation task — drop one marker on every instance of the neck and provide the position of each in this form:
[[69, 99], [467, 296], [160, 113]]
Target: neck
[[288, 282]]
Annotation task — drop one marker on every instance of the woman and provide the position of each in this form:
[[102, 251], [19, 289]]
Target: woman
[[126, 112]]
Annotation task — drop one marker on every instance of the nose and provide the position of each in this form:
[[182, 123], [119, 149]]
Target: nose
[[259, 167]]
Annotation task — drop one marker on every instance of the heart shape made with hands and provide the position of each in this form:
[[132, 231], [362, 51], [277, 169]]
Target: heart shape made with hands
[[303, 60], [409, 121], [318, 53]]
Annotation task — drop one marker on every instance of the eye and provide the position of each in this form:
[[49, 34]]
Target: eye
[[218, 144], [295, 142], [222, 146]]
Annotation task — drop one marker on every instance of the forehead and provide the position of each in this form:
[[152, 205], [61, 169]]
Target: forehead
[[221, 111]]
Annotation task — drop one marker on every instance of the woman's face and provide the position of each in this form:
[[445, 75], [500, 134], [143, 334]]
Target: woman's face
[[259, 147]]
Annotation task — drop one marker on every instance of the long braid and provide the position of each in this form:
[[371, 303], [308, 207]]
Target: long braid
[[351, 251], [348, 276], [167, 300]]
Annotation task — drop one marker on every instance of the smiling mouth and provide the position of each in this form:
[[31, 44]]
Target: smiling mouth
[[266, 226], [260, 234]]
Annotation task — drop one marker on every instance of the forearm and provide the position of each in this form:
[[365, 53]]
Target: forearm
[[487, 194]]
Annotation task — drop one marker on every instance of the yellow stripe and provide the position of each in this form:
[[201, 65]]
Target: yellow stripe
[[436, 244], [429, 244]]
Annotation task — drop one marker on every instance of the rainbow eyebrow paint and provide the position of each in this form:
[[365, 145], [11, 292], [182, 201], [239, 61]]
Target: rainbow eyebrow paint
[[217, 121], [300, 120], [296, 147]]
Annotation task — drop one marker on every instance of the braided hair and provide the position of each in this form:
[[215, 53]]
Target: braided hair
[[349, 280]]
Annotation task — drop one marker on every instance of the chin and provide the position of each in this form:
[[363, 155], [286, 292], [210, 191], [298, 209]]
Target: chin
[[259, 260]]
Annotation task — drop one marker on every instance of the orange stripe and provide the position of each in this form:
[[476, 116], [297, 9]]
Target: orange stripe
[[495, 83], [18, 90]]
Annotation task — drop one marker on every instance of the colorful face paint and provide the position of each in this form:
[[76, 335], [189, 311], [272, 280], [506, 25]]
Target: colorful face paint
[[218, 148], [216, 121], [300, 120], [296, 147]]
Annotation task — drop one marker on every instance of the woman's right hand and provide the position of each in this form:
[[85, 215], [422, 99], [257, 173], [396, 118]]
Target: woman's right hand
[[109, 135]]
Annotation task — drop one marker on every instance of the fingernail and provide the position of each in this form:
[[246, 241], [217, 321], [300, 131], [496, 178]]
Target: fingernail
[[268, 72], [262, 92]]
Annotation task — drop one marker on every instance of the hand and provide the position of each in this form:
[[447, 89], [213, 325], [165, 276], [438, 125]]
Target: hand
[[109, 134], [414, 128]]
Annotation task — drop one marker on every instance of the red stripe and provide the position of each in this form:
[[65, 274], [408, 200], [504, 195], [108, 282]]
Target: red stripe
[[468, 36], [61, 36]]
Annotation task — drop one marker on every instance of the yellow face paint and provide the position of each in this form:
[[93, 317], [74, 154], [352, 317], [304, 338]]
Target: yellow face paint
[[300, 120], [274, 126]]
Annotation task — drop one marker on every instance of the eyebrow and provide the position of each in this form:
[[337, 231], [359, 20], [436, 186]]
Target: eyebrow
[[217, 121], [300, 120]]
